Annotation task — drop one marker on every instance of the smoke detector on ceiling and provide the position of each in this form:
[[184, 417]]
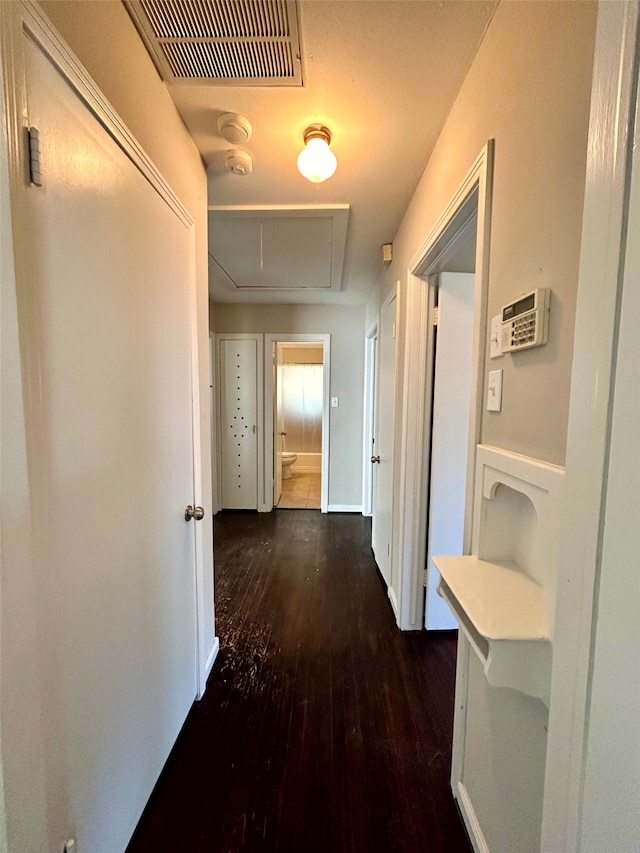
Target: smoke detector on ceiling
[[234, 128], [239, 162]]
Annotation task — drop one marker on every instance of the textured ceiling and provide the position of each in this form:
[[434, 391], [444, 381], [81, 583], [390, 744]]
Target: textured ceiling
[[382, 75]]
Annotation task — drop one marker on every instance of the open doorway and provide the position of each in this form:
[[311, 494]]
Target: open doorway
[[298, 425], [297, 408], [452, 384], [462, 227]]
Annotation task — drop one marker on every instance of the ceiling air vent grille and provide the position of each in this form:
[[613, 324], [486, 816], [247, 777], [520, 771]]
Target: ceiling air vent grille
[[223, 42]]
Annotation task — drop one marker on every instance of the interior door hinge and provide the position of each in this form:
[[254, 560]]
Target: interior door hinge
[[436, 315], [425, 578], [35, 165], [394, 331]]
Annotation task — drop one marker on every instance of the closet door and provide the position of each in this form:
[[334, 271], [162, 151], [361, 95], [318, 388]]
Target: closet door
[[106, 280], [239, 396], [383, 440]]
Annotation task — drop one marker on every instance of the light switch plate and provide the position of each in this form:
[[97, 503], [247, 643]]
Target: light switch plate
[[334, 402], [494, 393], [496, 328]]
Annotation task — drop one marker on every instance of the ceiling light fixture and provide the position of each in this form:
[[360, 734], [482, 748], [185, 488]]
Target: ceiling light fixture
[[316, 161]]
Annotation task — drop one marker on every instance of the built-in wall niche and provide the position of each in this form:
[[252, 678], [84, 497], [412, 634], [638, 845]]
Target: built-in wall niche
[[503, 594], [510, 529]]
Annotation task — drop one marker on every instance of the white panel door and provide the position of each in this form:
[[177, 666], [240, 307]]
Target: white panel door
[[106, 325], [450, 434], [371, 401], [383, 440], [238, 417]]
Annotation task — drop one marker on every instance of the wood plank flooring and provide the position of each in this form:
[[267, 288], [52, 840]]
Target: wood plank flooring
[[323, 728]]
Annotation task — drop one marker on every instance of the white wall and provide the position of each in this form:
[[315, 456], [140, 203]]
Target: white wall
[[293, 354], [504, 761], [528, 88], [345, 324]]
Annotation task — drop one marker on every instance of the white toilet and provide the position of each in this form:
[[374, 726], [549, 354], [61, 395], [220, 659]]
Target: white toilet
[[287, 461]]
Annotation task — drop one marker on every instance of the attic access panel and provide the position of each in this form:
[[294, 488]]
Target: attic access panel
[[289, 249], [216, 42]]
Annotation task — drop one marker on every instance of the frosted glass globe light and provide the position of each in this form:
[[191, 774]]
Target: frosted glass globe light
[[316, 161]]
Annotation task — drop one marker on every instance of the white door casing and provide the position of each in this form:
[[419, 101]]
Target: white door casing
[[105, 269], [239, 372], [383, 439], [449, 434]]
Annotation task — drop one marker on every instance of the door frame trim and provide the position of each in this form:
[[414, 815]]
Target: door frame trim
[[269, 341], [413, 449]]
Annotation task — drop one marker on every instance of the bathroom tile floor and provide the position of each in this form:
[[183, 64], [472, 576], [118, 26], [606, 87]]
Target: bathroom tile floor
[[301, 491]]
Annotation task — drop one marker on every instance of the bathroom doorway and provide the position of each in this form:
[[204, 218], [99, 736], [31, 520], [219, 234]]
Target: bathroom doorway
[[298, 434], [299, 398]]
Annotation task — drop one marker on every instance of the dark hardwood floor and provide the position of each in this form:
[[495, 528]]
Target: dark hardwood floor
[[323, 727]]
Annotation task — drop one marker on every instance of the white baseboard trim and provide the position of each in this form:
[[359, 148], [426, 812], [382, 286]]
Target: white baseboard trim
[[211, 659], [394, 602], [208, 666], [306, 469], [344, 508], [471, 821]]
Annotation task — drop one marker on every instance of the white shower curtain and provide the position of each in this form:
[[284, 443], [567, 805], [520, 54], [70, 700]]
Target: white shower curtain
[[302, 407]]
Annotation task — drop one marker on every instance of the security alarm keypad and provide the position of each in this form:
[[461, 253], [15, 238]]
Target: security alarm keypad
[[525, 323]]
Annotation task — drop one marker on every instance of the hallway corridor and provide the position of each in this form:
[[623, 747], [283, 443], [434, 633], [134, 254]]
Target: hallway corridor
[[324, 729]]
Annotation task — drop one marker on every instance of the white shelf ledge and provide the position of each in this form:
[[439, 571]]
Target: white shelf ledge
[[502, 602], [501, 611]]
